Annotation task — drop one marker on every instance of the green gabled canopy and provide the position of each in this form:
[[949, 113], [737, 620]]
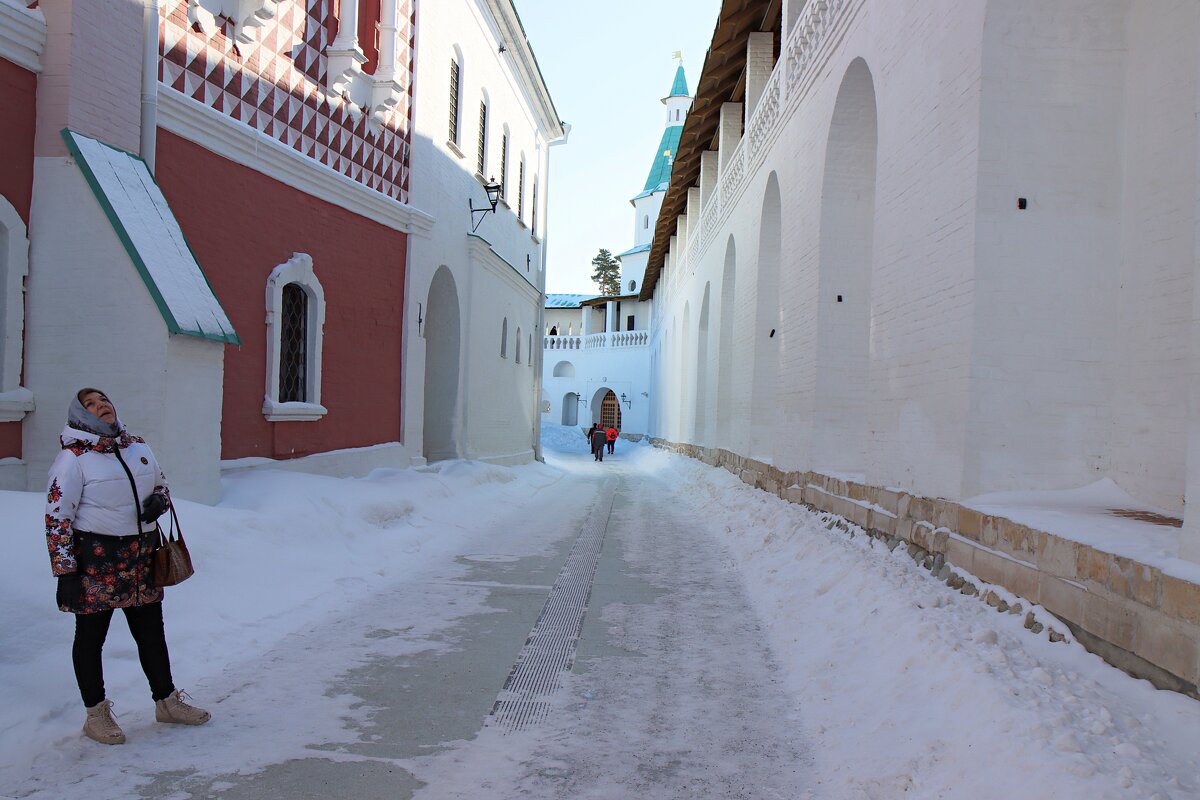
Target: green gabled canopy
[[660, 170], [679, 87]]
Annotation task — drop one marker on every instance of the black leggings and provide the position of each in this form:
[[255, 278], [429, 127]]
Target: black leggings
[[146, 625]]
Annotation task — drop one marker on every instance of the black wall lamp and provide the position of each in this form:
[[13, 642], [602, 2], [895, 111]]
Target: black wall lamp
[[629, 403], [493, 190]]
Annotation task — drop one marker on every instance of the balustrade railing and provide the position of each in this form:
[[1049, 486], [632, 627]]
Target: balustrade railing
[[594, 340], [795, 69]]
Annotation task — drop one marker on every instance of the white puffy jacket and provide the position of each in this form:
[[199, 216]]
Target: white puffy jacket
[[90, 491]]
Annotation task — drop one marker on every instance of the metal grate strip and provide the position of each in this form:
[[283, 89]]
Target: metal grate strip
[[550, 648]]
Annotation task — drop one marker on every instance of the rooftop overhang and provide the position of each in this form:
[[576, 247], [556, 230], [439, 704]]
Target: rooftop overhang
[[599, 301], [722, 80]]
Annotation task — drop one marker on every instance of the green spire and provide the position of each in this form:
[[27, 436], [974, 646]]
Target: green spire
[[660, 170], [679, 88]]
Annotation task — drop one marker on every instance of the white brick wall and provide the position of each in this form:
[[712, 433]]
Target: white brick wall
[[978, 347]]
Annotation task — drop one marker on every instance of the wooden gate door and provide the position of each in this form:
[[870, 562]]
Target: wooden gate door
[[610, 411]]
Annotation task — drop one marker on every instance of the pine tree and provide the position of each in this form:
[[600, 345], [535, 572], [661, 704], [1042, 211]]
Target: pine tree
[[607, 273]]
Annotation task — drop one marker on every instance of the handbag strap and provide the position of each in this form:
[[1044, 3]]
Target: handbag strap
[[176, 531]]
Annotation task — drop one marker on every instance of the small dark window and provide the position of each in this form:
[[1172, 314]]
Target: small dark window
[[1022, 204], [629, 322], [646, 222], [293, 345], [554, 331], [454, 101], [533, 210], [521, 191]]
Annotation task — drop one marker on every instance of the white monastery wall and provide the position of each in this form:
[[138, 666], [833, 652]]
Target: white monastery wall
[[495, 404], [986, 347], [1157, 251]]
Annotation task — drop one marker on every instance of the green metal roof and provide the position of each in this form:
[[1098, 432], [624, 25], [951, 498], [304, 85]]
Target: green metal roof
[[679, 87], [641, 248], [660, 170]]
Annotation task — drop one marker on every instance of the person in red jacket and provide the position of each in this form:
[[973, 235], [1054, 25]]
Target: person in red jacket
[[611, 436]]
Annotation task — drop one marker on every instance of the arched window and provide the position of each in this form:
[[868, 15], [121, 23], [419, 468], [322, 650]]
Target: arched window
[[529, 358], [518, 344], [295, 334], [504, 338], [533, 209], [521, 190], [504, 164], [481, 150], [455, 85], [554, 331]]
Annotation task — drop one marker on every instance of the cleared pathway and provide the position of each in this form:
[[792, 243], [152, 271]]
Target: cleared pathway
[[671, 691]]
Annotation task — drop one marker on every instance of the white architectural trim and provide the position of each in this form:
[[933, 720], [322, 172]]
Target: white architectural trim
[[525, 66], [481, 252], [241, 144], [22, 35], [14, 399], [299, 270], [247, 15]]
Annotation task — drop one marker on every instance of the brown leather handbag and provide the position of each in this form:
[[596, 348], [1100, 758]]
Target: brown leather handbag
[[172, 561]]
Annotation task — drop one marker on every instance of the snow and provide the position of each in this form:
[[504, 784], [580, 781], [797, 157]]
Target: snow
[[1082, 515], [893, 684], [154, 233]]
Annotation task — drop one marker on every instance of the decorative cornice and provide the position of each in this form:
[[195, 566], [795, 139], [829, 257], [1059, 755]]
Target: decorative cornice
[[22, 35], [244, 145], [526, 66]]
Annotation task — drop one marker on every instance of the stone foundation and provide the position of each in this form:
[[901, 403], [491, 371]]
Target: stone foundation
[[1128, 613]]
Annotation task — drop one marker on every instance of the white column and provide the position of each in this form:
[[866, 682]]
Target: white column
[[729, 130], [587, 321], [610, 316], [708, 177], [386, 71], [344, 53], [760, 61]]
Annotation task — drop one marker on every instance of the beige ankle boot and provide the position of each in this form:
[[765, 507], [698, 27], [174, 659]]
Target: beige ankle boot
[[101, 726], [173, 709]]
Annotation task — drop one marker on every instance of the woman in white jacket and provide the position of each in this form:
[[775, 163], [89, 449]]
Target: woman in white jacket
[[105, 496]]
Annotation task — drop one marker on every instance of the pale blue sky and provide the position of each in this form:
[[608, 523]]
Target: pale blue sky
[[607, 66]]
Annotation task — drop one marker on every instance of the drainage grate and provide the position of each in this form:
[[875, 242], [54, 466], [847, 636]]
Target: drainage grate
[[550, 648]]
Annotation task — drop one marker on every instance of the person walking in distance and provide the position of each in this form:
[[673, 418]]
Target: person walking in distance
[[106, 493], [598, 441], [611, 436]]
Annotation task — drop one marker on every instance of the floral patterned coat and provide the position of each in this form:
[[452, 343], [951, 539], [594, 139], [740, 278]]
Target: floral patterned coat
[[92, 526]]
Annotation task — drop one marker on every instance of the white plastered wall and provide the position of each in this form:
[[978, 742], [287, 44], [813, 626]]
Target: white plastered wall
[[85, 303]]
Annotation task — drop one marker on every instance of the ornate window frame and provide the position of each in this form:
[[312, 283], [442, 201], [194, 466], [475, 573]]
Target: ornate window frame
[[298, 270], [15, 399]]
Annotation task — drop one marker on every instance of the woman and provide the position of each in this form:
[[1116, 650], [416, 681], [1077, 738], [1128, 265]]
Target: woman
[[105, 496]]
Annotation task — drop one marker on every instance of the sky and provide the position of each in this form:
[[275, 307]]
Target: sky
[[607, 66]]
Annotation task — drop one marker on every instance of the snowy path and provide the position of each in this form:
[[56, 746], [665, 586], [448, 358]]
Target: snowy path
[[732, 647]]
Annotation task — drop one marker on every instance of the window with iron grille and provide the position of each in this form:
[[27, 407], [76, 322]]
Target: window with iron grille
[[521, 191], [454, 68], [481, 160], [293, 345], [533, 209], [504, 166]]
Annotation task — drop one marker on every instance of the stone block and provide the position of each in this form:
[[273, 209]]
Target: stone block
[[794, 494], [921, 508], [903, 505], [989, 566], [1092, 567], [1110, 619], [937, 541], [769, 484], [858, 491], [904, 528], [749, 476], [884, 523], [1057, 556], [887, 500], [920, 534], [989, 530], [1171, 644], [945, 514], [1180, 599], [960, 554], [1017, 539], [1021, 580], [969, 522], [1060, 597], [859, 515]]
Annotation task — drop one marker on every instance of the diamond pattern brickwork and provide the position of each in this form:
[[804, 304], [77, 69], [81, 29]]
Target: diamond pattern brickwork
[[276, 85]]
